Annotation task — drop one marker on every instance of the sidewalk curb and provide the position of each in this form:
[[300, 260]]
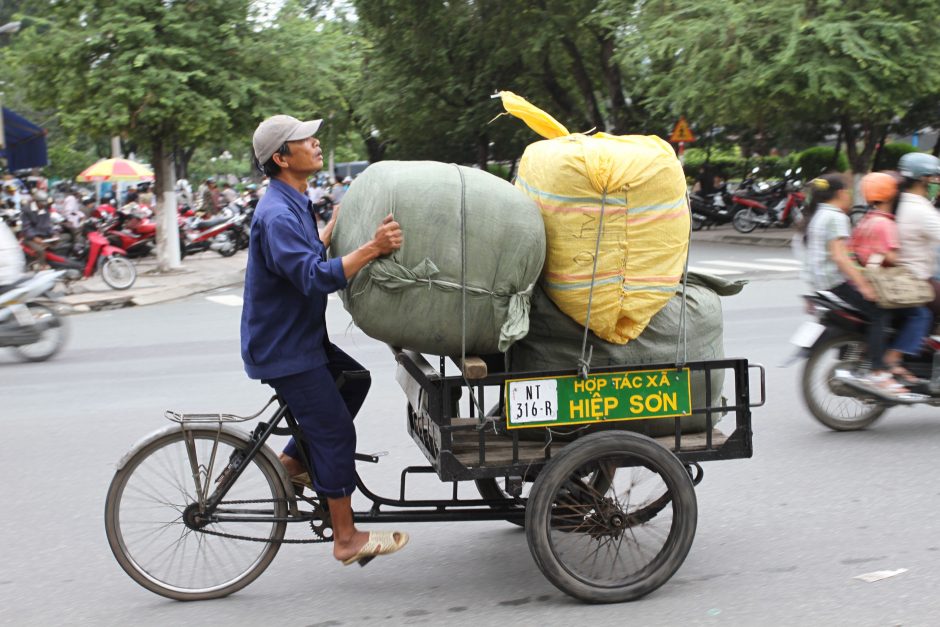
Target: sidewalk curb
[[765, 237], [756, 240], [175, 293], [81, 303]]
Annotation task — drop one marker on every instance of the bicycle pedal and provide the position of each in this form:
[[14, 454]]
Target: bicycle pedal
[[372, 458]]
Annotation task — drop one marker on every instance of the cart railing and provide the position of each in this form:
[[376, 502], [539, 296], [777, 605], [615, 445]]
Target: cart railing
[[460, 424]]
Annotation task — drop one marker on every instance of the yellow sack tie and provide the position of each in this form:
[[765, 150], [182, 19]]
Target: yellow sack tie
[[536, 119]]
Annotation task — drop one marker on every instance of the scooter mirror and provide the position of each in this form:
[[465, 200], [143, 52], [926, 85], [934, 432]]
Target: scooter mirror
[[755, 170], [788, 172]]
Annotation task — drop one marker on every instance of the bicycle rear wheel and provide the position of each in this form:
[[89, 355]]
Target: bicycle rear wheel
[[156, 535]]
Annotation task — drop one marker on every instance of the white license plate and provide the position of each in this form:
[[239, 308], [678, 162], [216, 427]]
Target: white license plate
[[532, 401], [807, 334]]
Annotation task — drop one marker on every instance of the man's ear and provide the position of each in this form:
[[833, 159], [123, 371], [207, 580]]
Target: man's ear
[[279, 160]]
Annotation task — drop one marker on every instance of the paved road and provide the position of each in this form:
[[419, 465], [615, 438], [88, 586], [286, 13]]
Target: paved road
[[779, 539]]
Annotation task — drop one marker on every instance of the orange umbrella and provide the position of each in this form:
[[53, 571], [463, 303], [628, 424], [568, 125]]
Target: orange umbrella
[[116, 170]]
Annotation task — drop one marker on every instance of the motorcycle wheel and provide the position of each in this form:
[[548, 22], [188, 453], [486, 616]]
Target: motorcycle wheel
[[228, 247], [118, 272], [744, 221], [833, 405], [697, 222], [51, 338]]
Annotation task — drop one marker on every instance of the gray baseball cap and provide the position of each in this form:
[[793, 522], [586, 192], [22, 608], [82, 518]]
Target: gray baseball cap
[[278, 129]]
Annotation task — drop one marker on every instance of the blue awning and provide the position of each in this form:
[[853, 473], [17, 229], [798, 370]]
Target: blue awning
[[25, 142]]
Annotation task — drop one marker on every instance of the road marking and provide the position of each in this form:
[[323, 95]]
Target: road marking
[[792, 262], [717, 271], [226, 299], [748, 266]]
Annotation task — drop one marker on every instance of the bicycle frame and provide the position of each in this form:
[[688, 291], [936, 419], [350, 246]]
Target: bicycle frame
[[441, 390]]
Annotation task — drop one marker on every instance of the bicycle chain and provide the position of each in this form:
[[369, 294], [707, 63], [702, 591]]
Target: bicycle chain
[[317, 529]]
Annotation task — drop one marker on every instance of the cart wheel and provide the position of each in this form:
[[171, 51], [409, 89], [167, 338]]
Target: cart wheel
[[611, 517]]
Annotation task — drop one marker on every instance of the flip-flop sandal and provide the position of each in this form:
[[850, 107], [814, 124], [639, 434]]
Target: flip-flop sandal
[[379, 543], [904, 375], [886, 383]]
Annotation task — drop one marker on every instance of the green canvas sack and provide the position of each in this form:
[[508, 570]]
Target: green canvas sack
[[554, 342], [473, 249]]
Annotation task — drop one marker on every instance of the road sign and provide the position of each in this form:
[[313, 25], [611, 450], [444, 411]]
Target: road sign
[[681, 132]]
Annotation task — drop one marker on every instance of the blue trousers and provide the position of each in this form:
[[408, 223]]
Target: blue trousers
[[912, 323], [325, 415]]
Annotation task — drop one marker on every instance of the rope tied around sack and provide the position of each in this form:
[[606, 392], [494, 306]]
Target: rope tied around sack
[[392, 276], [584, 362], [682, 335]]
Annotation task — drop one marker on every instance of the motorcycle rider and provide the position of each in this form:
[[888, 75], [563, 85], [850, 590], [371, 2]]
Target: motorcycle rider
[[917, 219], [829, 267], [12, 261], [875, 240], [37, 225]]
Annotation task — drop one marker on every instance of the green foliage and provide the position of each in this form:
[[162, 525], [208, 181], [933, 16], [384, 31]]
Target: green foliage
[[888, 158], [731, 164], [818, 159], [440, 62], [66, 159], [764, 64], [727, 161], [499, 169]]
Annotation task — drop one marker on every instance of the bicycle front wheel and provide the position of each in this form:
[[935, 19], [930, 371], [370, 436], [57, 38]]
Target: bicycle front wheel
[[159, 538]]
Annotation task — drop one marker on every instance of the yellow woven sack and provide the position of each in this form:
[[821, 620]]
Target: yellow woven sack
[[645, 235]]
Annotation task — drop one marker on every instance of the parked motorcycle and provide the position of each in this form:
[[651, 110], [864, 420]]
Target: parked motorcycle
[[837, 358], [323, 208], [712, 209], [29, 324], [133, 233], [766, 205], [198, 235], [92, 253]]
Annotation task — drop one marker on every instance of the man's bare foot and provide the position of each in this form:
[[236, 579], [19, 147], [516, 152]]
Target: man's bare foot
[[343, 551], [291, 465]]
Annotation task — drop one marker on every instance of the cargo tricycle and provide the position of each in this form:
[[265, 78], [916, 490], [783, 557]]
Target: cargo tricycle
[[199, 509]]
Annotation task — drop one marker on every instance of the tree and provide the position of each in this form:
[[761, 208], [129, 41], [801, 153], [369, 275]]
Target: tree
[[431, 67], [157, 73], [857, 65]]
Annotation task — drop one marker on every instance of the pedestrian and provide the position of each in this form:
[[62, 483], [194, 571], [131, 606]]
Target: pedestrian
[[339, 190], [145, 195], [229, 195], [37, 225], [12, 262], [210, 199], [284, 339]]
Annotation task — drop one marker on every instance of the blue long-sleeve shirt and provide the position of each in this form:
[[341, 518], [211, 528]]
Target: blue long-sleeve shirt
[[283, 326]]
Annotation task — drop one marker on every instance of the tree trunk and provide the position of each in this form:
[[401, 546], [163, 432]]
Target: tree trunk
[[851, 145], [619, 110], [483, 151], [558, 94], [835, 155], [168, 244], [181, 159], [583, 80]]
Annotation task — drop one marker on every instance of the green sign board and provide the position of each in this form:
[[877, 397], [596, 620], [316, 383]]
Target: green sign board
[[571, 400]]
